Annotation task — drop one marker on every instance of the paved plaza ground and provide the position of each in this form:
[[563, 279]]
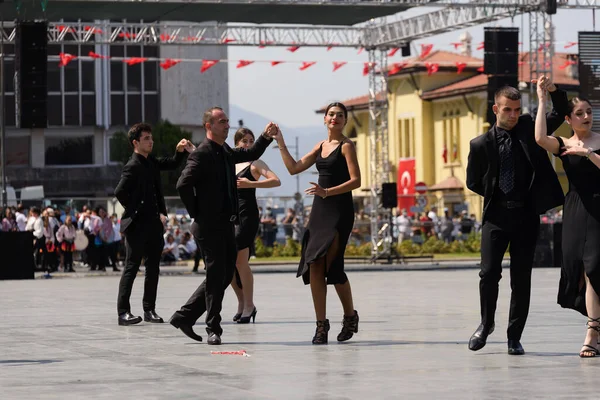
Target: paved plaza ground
[[60, 340]]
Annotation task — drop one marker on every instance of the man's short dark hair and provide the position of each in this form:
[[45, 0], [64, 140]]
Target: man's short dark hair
[[509, 92], [136, 132], [208, 115], [36, 210]]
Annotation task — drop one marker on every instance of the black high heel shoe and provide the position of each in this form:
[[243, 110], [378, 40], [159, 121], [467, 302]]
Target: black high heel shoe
[[236, 317], [349, 327], [246, 320], [321, 333]]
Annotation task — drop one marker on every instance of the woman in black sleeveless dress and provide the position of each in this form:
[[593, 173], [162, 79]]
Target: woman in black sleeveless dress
[[331, 219], [248, 175], [580, 273]]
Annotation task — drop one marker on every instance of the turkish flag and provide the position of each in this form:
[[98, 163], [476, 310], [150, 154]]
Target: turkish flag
[[95, 55], [134, 60], [293, 48], [445, 154], [397, 67], [425, 50], [393, 51], [338, 65], [460, 67], [65, 58], [168, 63], [307, 64], [406, 184], [207, 64], [274, 63], [243, 63], [432, 68]]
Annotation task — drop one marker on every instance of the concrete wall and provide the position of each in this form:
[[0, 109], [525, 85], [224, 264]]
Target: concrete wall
[[186, 93]]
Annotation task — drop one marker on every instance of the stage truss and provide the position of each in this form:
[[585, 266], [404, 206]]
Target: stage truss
[[377, 37]]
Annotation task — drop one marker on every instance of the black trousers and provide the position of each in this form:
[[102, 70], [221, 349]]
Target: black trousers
[[519, 229], [143, 239], [219, 252]]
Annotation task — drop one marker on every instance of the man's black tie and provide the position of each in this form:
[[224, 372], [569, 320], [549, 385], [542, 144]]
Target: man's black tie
[[507, 168]]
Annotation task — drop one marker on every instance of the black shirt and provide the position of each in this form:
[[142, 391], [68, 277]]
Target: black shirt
[[227, 184], [522, 169], [149, 207]]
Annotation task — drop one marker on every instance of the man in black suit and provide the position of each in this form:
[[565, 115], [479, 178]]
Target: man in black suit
[[142, 223], [207, 187], [518, 183]]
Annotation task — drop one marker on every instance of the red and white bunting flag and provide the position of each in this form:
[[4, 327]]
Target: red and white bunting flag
[[227, 40], [65, 58], [567, 63], [307, 64], [425, 50], [165, 38], [127, 35], [264, 44], [480, 46], [570, 44], [338, 65], [96, 56], [445, 154], [456, 45], [168, 63], [393, 51], [396, 68], [62, 28], [274, 63], [432, 68], [135, 60], [243, 63], [293, 49], [460, 66], [207, 64], [360, 50]]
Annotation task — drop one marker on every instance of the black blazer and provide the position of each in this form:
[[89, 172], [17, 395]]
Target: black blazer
[[131, 188], [202, 178], [484, 160]]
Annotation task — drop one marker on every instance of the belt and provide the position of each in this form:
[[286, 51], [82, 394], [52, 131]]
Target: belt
[[510, 204]]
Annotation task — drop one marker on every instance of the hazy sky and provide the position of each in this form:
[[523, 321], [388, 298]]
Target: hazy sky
[[289, 96]]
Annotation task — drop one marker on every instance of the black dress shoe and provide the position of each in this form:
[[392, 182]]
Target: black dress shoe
[[129, 319], [515, 348], [186, 329], [214, 339], [479, 338], [152, 316]]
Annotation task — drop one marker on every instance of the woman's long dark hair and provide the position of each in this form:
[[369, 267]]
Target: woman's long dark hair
[[240, 133], [340, 105]]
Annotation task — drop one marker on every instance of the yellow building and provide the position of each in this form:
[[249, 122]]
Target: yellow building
[[434, 112]]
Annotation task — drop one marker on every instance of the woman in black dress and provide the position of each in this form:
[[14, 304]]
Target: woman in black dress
[[248, 175], [580, 274], [331, 219]]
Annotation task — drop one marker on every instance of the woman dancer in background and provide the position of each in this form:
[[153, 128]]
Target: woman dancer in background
[[331, 219], [248, 175]]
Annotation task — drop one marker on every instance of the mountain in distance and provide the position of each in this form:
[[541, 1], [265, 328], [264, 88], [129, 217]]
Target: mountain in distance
[[307, 138]]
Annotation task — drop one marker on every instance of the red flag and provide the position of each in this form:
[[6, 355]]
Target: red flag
[[307, 64], [393, 51], [127, 35], [425, 50], [367, 67], [227, 40], [65, 58], [460, 66], [570, 44], [293, 48], [456, 45], [432, 68], [445, 154], [62, 28], [243, 63], [135, 60], [263, 44], [454, 152], [165, 38], [274, 63], [338, 65], [480, 69], [207, 64], [168, 63], [331, 46], [567, 63], [95, 55], [396, 68], [480, 46], [406, 184], [360, 50], [94, 30]]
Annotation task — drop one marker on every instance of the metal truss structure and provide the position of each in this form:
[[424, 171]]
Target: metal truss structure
[[376, 36]]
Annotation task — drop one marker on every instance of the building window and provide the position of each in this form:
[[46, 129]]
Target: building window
[[69, 151], [406, 137], [18, 149], [451, 125], [134, 88]]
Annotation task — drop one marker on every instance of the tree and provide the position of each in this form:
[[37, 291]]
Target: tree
[[165, 136]]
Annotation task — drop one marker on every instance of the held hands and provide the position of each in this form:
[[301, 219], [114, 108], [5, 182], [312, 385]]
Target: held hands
[[278, 136], [316, 190], [185, 144], [270, 130], [544, 85], [244, 183]]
